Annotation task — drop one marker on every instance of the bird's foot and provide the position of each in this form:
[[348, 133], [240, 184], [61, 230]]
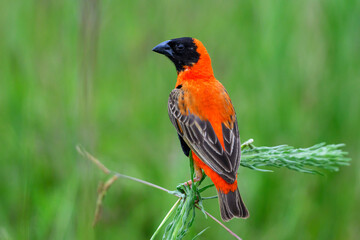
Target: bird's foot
[[190, 182]]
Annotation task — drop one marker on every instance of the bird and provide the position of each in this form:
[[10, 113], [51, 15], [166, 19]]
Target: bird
[[203, 115]]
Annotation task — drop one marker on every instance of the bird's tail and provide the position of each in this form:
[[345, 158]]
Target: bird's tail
[[231, 205]]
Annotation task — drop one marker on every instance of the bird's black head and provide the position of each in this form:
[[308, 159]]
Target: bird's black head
[[181, 51]]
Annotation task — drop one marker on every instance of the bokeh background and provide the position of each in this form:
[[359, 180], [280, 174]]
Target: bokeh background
[[82, 72]]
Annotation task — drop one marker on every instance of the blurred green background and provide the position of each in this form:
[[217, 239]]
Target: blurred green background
[[82, 72]]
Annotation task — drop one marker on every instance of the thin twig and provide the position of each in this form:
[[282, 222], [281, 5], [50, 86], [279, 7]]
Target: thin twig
[[227, 229], [93, 159], [104, 187], [102, 192], [108, 171], [141, 181]]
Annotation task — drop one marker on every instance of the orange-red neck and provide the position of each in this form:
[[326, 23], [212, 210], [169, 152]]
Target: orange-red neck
[[202, 70]]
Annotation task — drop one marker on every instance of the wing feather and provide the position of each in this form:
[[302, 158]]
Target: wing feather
[[200, 137]]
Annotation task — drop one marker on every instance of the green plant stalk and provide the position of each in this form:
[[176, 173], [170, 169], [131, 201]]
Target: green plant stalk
[[180, 224], [165, 219], [198, 235], [182, 220], [307, 160]]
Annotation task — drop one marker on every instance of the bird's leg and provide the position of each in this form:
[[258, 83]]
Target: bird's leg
[[198, 175]]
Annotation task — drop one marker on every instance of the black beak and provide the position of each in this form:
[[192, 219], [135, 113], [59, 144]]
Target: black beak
[[164, 48]]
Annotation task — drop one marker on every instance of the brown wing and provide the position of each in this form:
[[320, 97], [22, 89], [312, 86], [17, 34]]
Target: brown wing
[[200, 136]]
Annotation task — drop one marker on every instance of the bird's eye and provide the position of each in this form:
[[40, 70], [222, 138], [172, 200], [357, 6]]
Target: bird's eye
[[179, 47]]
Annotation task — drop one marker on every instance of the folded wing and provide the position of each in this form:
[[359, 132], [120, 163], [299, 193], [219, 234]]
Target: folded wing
[[200, 137]]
